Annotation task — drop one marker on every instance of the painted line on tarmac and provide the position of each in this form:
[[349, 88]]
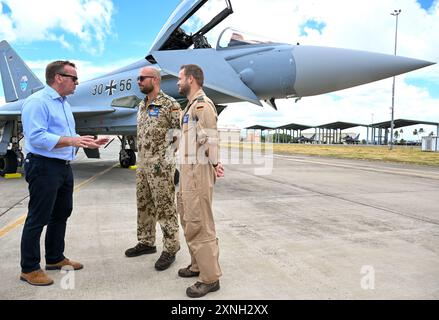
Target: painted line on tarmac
[[4, 231], [400, 171]]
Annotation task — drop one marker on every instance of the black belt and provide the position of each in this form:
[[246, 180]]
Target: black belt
[[33, 155]]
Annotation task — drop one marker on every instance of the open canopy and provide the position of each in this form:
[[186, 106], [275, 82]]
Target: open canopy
[[184, 29]]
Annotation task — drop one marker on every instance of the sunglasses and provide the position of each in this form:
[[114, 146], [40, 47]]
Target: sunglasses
[[74, 78], [141, 78]]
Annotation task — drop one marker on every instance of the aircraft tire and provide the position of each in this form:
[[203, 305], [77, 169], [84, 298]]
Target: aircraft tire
[[132, 157], [8, 163], [127, 158]]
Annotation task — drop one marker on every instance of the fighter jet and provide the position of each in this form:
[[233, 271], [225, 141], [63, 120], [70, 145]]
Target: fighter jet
[[352, 140], [303, 139], [238, 68]]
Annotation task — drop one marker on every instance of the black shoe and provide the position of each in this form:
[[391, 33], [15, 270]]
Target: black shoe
[[140, 249], [200, 289], [187, 272], [165, 260]]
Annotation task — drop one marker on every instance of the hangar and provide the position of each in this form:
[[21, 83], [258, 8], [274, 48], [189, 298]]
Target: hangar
[[331, 133]]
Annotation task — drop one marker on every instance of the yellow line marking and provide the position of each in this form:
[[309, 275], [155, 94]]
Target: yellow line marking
[[12, 226], [88, 181], [22, 219], [13, 176]]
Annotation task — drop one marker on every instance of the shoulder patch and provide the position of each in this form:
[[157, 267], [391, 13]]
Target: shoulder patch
[[200, 99], [176, 107]]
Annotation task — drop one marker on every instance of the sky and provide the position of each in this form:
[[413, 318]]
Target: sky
[[103, 35]]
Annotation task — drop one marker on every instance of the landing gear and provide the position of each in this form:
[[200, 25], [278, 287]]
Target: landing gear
[[10, 136], [127, 157], [8, 163]]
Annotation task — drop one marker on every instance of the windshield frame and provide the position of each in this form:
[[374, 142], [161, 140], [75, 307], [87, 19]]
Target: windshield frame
[[253, 41]]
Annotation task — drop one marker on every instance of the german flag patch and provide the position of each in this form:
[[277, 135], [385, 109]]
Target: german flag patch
[[200, 107]]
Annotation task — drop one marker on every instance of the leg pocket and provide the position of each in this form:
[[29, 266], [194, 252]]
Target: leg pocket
[[191, 206]]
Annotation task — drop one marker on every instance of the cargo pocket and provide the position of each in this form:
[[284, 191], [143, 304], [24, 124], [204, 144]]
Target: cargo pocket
[[191, 205]]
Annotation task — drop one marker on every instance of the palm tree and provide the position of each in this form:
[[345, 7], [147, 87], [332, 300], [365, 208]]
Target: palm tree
[[415, 132], [396, 135]]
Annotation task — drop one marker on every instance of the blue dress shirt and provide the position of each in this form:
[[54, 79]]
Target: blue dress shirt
[[47, 117]]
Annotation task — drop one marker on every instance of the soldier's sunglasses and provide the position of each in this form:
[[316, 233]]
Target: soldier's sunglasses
[[141, 78]]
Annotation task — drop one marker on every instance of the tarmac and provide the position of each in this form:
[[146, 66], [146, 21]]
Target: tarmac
[[290, 227]]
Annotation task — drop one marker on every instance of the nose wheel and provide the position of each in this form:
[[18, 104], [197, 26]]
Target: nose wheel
[[8, 163], [127, 158]]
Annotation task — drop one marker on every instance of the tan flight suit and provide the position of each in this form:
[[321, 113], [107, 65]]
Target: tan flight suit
[[198, 152], [157, 122]]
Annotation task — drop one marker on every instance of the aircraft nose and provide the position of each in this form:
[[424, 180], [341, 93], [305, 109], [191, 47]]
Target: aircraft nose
[[321, 69]]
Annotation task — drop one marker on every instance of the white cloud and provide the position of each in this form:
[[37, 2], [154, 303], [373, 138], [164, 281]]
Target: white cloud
[[359, 25], [87, 20], [86, 70]]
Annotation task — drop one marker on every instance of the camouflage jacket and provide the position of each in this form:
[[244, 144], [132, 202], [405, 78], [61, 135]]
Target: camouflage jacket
[[158, 122]]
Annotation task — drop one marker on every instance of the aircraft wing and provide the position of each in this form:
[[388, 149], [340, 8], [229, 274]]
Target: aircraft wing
[[218, 74], [9, 115], [79, 111]]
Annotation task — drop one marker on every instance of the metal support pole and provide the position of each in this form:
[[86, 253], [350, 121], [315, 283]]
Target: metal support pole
[[392, 124]]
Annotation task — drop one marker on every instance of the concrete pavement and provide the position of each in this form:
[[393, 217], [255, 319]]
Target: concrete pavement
[[313, 228]]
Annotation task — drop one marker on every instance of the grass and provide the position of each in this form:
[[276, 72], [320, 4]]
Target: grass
[[399, 154]]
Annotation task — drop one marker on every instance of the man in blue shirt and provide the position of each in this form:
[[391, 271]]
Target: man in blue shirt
[[50, 144]]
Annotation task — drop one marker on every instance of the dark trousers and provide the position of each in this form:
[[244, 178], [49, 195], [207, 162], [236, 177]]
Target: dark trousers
[[51, 203]]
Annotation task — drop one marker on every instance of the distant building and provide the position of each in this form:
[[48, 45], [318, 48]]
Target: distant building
[[229, 134]]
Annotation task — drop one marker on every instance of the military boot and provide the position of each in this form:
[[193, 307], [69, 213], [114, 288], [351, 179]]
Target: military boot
[[200, 289], [140, 249], [187, 272], [165, 260]]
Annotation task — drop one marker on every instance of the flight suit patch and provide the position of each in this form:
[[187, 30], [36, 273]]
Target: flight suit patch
[[186, 118], [154, 113]]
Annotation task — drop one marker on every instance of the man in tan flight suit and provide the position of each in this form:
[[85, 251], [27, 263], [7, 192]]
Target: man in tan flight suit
[[158, 125], [199, 169]]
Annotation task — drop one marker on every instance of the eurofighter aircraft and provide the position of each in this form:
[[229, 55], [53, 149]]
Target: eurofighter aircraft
[[240, 67]]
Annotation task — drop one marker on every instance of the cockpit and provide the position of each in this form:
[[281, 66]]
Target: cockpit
[[192, 20], [233, 38]]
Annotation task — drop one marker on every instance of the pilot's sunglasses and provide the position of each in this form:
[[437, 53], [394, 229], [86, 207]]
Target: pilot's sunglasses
[[141, 78], [74, 78]]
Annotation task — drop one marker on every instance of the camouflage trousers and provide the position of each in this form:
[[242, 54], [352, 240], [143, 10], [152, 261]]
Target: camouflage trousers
[[156, 203]]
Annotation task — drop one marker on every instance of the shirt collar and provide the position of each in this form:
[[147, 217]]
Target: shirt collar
[[197, 94], [52, 93], [157, 101]]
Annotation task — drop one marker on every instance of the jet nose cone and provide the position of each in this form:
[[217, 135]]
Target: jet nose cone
[[321, 70]]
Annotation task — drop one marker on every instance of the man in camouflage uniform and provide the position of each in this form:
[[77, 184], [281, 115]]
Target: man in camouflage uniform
[[158, 124], [199, 170]]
